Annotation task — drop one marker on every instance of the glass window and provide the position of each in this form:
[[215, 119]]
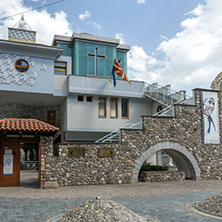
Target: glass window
[[125, 108], [80, 98], [60, 67], [89, 99], [114, 108], [21, 65], [102, 107], [159, 108]]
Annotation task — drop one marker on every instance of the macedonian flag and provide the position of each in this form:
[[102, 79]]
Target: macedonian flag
[[118, 70]]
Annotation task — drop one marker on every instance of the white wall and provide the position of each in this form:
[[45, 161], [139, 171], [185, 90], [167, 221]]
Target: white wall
[[83, 116], [37, 79]]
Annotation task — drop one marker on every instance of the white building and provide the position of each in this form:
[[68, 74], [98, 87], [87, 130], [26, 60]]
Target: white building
[[70, 85]]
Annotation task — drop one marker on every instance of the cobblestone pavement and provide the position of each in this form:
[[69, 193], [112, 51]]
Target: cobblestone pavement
[[162, 201]]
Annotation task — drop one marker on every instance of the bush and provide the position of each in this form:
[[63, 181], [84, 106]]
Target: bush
[[148, 167]]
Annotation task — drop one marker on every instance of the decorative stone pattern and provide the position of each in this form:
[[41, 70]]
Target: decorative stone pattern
[[162, 176], [9, 110], [101, 210], [212, 205], [9, 75], [180, 136]]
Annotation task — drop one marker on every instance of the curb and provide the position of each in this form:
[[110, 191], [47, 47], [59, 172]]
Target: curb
[[54, 219], [190, 207]]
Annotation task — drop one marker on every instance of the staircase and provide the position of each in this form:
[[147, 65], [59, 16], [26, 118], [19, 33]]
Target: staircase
[[114, 136], [163, 95]]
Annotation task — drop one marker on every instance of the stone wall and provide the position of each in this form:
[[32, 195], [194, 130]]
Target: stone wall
[[162, 176], [180, 136], [13, 110], [46, 157]]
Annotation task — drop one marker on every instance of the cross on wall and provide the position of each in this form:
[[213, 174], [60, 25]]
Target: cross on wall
[[97, 56]]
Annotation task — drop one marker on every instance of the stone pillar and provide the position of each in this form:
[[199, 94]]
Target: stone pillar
[[47, 181]]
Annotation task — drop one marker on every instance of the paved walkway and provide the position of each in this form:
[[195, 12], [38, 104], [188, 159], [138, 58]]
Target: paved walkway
[[162, 201]]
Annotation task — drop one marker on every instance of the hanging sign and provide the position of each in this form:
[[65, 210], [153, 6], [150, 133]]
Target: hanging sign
[[210, 116], [8, 163]]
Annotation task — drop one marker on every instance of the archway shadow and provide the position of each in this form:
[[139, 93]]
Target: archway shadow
[[184, 159]]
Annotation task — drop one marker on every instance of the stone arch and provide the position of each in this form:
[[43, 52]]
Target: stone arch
[[183, 158]]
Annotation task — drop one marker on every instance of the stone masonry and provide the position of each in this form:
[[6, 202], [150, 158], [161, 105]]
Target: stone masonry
[[180, 136], [162, 176]]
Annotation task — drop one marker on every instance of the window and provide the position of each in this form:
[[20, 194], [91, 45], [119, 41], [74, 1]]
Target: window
[[60, 67], [114, 108], [159, 108], [21, 65], [125, 108], [89, 99], [80, 98], [102, 107]]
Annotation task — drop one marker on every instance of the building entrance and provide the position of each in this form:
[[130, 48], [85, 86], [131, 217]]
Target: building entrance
[[10, 164]]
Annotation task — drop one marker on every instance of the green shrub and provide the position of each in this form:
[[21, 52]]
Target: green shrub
[[148, 167]]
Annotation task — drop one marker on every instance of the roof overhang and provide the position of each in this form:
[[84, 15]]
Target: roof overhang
[[36, 50], [26, 126], [90, 38]]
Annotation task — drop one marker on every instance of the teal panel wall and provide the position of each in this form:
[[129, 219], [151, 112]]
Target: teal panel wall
[[85, 65], [82, 64], [123, 62], [67, 49]]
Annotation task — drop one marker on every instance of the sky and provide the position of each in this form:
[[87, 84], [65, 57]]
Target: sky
[[176, 42]]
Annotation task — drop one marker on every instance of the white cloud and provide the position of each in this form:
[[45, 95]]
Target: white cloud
[[120, 36], [84, 16], [140, 64], [93, 24], [192, 58], [163, 37], [46, 25], [96, 26], [141, 1]]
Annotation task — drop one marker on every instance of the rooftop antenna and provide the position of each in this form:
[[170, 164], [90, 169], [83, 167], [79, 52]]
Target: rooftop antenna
[[21, 13]]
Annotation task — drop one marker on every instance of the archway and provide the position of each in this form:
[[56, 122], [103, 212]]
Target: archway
[[184, 159]]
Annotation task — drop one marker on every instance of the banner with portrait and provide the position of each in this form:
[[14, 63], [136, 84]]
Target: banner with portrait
[[210, 116]]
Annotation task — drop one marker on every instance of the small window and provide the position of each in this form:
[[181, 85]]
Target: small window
[[102, 107], [80, 98], [89, 99], [125, 108], [21, 65], [159, 108], [60, 67], [114, 108]]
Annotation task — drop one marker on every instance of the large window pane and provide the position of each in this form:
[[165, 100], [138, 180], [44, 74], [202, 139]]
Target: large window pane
[[60, 67], [102, 107], [125, 108], [114, 108]]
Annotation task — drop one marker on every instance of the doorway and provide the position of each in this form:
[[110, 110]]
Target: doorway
[[10, 167], [29, 164], [19, 162]]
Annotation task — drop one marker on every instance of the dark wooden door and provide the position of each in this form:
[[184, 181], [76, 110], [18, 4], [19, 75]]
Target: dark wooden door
[[52, 117], [10, 164]]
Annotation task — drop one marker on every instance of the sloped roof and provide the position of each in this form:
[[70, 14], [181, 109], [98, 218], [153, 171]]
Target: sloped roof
[[26, 126], [22, 24]]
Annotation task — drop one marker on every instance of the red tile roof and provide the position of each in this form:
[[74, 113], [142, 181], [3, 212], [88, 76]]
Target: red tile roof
[[26, 126]]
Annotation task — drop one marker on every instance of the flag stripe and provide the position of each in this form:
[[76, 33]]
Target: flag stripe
[[118, 70]]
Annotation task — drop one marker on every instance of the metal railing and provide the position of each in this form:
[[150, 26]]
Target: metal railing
[[114, 136], [164, 94]]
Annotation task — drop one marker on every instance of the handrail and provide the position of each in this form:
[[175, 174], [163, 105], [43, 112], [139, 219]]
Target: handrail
[[116, 132]]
